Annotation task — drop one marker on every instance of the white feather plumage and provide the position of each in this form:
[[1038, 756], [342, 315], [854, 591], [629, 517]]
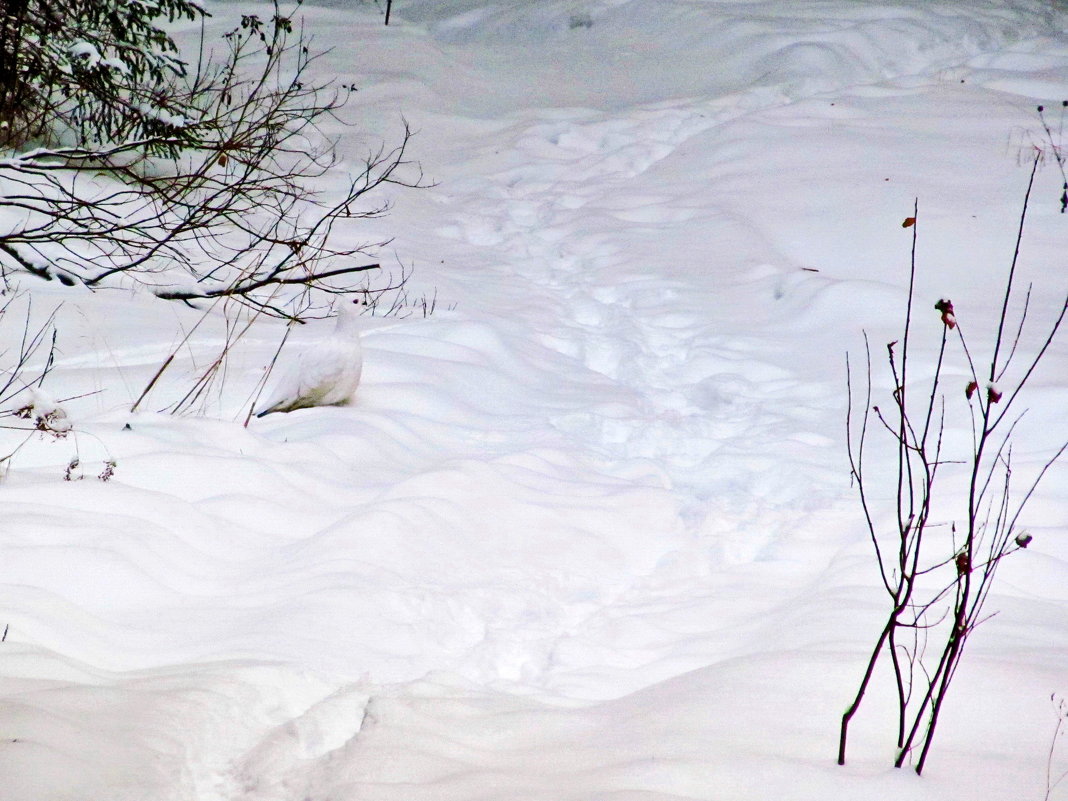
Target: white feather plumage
[[325, 372]]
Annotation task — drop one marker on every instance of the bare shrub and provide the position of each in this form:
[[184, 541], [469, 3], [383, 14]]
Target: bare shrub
[[229, 206], [24, 406], [939, 561]]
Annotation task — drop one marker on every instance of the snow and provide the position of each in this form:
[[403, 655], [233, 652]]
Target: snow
[[162, 115], [586, 533], [85, 50], [47, 414]]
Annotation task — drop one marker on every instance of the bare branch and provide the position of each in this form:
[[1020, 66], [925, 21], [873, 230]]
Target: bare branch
[[230, 208]]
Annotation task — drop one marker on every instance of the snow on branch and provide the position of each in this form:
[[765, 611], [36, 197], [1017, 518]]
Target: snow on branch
[[224, 202]]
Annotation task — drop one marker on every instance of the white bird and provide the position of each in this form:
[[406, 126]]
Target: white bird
[[326, 372]]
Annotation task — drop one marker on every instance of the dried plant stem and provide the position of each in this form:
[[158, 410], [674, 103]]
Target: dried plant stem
[[941, 596]]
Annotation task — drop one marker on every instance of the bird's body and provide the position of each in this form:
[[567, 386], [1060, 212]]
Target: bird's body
[[325, 373]]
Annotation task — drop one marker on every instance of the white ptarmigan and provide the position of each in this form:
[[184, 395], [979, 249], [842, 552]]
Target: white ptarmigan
[[326, 372]]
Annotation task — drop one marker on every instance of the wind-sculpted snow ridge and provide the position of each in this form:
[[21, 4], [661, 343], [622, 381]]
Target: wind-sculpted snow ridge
[[588, 534], [610, 54]]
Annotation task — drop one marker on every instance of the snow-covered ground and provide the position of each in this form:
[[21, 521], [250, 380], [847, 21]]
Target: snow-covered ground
[[587, 532]]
